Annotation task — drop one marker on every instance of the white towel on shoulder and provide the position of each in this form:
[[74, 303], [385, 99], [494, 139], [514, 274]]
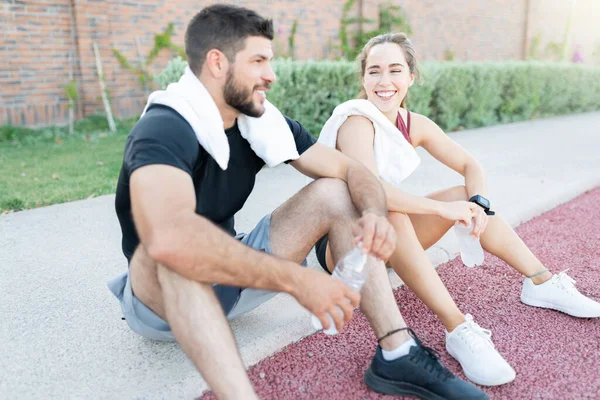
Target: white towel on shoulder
[[269, 136], [395, 157]]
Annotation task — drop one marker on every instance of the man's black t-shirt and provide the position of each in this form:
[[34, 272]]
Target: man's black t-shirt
[[162, 136]]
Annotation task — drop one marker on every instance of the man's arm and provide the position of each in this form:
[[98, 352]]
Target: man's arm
[[367, 194], [163, 206], [321, 161]]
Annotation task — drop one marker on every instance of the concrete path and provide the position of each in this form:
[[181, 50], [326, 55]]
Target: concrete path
[[62, 335]]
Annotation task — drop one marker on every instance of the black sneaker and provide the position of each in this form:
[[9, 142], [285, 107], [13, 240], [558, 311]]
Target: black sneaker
[[419, 373]]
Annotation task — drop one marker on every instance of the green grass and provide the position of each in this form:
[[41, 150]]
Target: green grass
[[48, 172]]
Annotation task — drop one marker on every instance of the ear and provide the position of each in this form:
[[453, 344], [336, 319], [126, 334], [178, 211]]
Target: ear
[[216, 63], [412, 79]]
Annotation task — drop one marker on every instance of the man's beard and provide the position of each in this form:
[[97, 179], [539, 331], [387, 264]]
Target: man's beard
[[240, 98]]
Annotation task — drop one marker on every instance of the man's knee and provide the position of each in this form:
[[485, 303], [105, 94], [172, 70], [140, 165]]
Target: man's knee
[[332, 197], [145, 285]]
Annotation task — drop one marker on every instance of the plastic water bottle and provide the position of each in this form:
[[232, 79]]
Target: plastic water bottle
[[471, 252], [352, 270]]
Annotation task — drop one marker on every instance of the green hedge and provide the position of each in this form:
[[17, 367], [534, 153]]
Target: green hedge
[[456, 95]]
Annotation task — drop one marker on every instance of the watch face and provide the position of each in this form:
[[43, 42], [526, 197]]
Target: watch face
[[484, 202]]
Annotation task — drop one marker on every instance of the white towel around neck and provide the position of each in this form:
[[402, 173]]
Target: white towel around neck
[[269, 136], [395, 157]]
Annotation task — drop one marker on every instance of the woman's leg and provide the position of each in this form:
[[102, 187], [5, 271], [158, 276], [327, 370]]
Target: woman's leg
[[466, 341], [414, 268], [414, 234], [498, 238], [417, 233], [503, 242]]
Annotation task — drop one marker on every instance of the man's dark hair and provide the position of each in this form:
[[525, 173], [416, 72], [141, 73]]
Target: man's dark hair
[[223, 27]]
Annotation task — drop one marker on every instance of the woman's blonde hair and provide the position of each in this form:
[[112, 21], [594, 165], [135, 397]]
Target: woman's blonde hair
[[401, 40]]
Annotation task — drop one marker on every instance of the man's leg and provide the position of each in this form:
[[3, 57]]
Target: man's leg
[[197, 320], [325, 207]]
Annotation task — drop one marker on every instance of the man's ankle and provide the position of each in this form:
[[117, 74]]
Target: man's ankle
[[394, 341]]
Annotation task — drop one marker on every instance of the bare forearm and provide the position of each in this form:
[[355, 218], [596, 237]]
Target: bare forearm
[[366, 190], [399, 201], [475, 180], [199, 250]]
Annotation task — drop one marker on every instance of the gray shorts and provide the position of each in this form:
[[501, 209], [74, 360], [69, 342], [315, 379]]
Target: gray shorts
[[235, 301]]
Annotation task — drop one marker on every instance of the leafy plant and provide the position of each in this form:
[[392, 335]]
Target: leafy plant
[[455, 95], [347, 46], [449, 55], [532, 54], [596, 54], [292, 40], [389, 18], [71, 91], [161, 41]]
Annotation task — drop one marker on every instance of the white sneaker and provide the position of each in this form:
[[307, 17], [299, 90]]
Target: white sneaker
[[472, 347], [559, 293]]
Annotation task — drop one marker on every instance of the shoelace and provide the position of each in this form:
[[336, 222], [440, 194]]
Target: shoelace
[[566, 282], [476, 335], [429, 357]]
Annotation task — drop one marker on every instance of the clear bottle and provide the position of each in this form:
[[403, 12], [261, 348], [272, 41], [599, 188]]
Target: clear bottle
[[352, 270], [471, 252]]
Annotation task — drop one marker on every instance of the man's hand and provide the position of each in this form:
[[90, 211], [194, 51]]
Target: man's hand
[[321, 294], [377, 235]]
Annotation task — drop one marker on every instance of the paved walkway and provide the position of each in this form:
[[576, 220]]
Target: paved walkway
[[62, 335]]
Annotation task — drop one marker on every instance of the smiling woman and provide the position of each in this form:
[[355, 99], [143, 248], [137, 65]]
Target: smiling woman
[[386, 80], [358, 128]]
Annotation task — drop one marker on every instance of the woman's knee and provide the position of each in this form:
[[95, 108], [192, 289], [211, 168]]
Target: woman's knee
[[400, 221], [461, 192]]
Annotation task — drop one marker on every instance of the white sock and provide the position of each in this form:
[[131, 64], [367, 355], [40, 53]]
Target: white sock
[[399, 351]]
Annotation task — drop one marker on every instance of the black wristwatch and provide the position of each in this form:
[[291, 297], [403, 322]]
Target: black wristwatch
[[483, 203]]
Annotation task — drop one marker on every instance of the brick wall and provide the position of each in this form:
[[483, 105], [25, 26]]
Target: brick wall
[[548, 27], [31, 87], [34, 49], [117, 25], [36, 40], [470, 29]]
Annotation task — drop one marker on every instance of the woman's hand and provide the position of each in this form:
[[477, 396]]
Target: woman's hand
[[464, 212], [461, 211], [481, 220]]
